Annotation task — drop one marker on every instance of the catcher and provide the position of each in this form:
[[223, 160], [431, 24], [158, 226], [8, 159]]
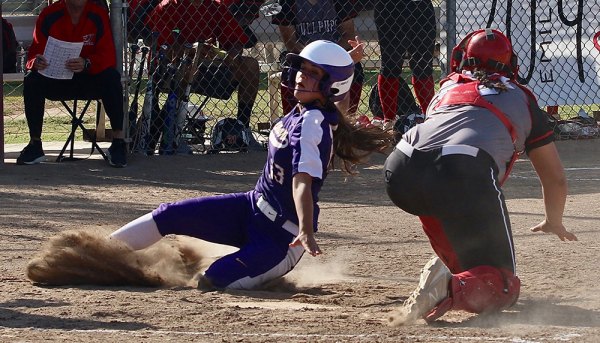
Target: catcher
[[449, 170]]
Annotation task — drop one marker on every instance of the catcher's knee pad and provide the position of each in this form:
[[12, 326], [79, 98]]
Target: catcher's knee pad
[[484, 289]]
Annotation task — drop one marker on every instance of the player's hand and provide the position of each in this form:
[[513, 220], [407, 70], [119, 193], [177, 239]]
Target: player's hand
[[40, 62], [557, 229], [75, 65], [308, 242], [358, 49]]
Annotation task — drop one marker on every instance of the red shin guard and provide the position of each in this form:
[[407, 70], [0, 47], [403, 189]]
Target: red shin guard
[[424, 90], [388, 95], [484, 289]]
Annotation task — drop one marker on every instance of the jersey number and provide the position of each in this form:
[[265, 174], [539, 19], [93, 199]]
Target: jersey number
[[276, 173]]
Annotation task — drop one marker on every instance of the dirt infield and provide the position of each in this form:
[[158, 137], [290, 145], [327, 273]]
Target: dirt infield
[[373, 253]]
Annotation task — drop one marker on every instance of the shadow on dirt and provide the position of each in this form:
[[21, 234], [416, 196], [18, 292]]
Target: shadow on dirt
[[533, 312], [14, 315]]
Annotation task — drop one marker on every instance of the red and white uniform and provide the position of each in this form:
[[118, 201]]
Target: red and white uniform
[[93, 30], [447, 171]]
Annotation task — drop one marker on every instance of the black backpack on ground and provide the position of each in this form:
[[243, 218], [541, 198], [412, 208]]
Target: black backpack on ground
[[229, 134]]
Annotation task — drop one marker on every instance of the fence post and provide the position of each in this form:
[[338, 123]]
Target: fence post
[[273, 82], [118, 14], [2, 109], [450, 31]]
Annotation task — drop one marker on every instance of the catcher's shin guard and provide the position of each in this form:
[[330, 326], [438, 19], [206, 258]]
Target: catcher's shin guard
[[484, 289]]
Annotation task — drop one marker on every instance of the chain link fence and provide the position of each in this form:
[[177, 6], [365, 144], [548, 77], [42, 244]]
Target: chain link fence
[[190, 64]]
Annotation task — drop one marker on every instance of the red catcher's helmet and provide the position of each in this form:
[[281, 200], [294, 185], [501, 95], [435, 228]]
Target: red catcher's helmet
[[486, 49]]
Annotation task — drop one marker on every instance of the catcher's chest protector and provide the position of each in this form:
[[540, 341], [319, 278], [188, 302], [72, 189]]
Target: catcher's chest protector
[[466, 92]]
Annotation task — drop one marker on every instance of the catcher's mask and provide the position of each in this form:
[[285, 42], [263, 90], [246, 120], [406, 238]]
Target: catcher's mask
[[332, 59], [486, 49]]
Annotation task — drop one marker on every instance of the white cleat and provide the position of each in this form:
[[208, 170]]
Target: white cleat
[[432, 289]]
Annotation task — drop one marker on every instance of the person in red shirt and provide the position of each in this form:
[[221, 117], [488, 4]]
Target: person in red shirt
[[95, 74], [204, 21]]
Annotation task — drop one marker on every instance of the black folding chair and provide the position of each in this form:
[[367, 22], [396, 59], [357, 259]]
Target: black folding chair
[[77, 123]]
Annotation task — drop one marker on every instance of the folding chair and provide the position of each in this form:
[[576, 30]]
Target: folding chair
[[77, 122], [194, 128]]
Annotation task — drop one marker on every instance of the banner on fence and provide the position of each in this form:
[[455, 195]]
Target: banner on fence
[[553, 40]]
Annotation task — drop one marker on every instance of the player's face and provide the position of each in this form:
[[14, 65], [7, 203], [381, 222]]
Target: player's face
[[307, 83]]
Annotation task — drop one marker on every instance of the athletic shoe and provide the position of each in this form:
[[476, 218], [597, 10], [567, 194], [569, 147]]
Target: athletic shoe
[[117, 153], [388, 124], [204, 284], [377, 122], [363, 121], [384, 124], [32, 154], [432, 290]]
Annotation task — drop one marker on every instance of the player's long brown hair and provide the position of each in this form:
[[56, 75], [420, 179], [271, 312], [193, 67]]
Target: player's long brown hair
[[352, 144], [484, 78]]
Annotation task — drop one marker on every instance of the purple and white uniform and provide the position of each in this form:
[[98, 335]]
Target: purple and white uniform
[[262, 222]]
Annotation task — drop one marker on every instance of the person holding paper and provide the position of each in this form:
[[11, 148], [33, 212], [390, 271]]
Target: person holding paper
[[94, 73]]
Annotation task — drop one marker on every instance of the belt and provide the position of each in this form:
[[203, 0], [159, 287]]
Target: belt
[[272, 215], [266, 209], [457, 149]]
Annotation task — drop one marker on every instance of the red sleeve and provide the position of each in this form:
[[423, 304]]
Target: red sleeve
[[229, 32], [39, 40], [103, 54]]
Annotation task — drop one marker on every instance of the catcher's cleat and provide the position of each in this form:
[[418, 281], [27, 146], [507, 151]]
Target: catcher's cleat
[[433, 289]]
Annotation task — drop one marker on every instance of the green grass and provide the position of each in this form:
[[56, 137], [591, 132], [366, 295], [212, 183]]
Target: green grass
[[57, 125]]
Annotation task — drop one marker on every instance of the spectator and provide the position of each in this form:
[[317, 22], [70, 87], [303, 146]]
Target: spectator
[[449, 171], [200, 21], [404, 27], [95, 73], [304, 21]]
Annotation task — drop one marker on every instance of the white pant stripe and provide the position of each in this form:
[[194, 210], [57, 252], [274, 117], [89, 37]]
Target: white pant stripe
[[505, 219]]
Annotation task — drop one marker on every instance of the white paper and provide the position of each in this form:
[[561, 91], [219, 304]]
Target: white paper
[[57, 53]]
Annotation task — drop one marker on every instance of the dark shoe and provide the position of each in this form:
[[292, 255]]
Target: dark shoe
[[117, 153], [32, 154], [204, 284]]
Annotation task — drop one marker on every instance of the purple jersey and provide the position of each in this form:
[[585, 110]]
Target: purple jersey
[[301, 142]]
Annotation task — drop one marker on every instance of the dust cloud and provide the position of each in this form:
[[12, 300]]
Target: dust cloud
[[313, 271], [91, 258], [78, 258]]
